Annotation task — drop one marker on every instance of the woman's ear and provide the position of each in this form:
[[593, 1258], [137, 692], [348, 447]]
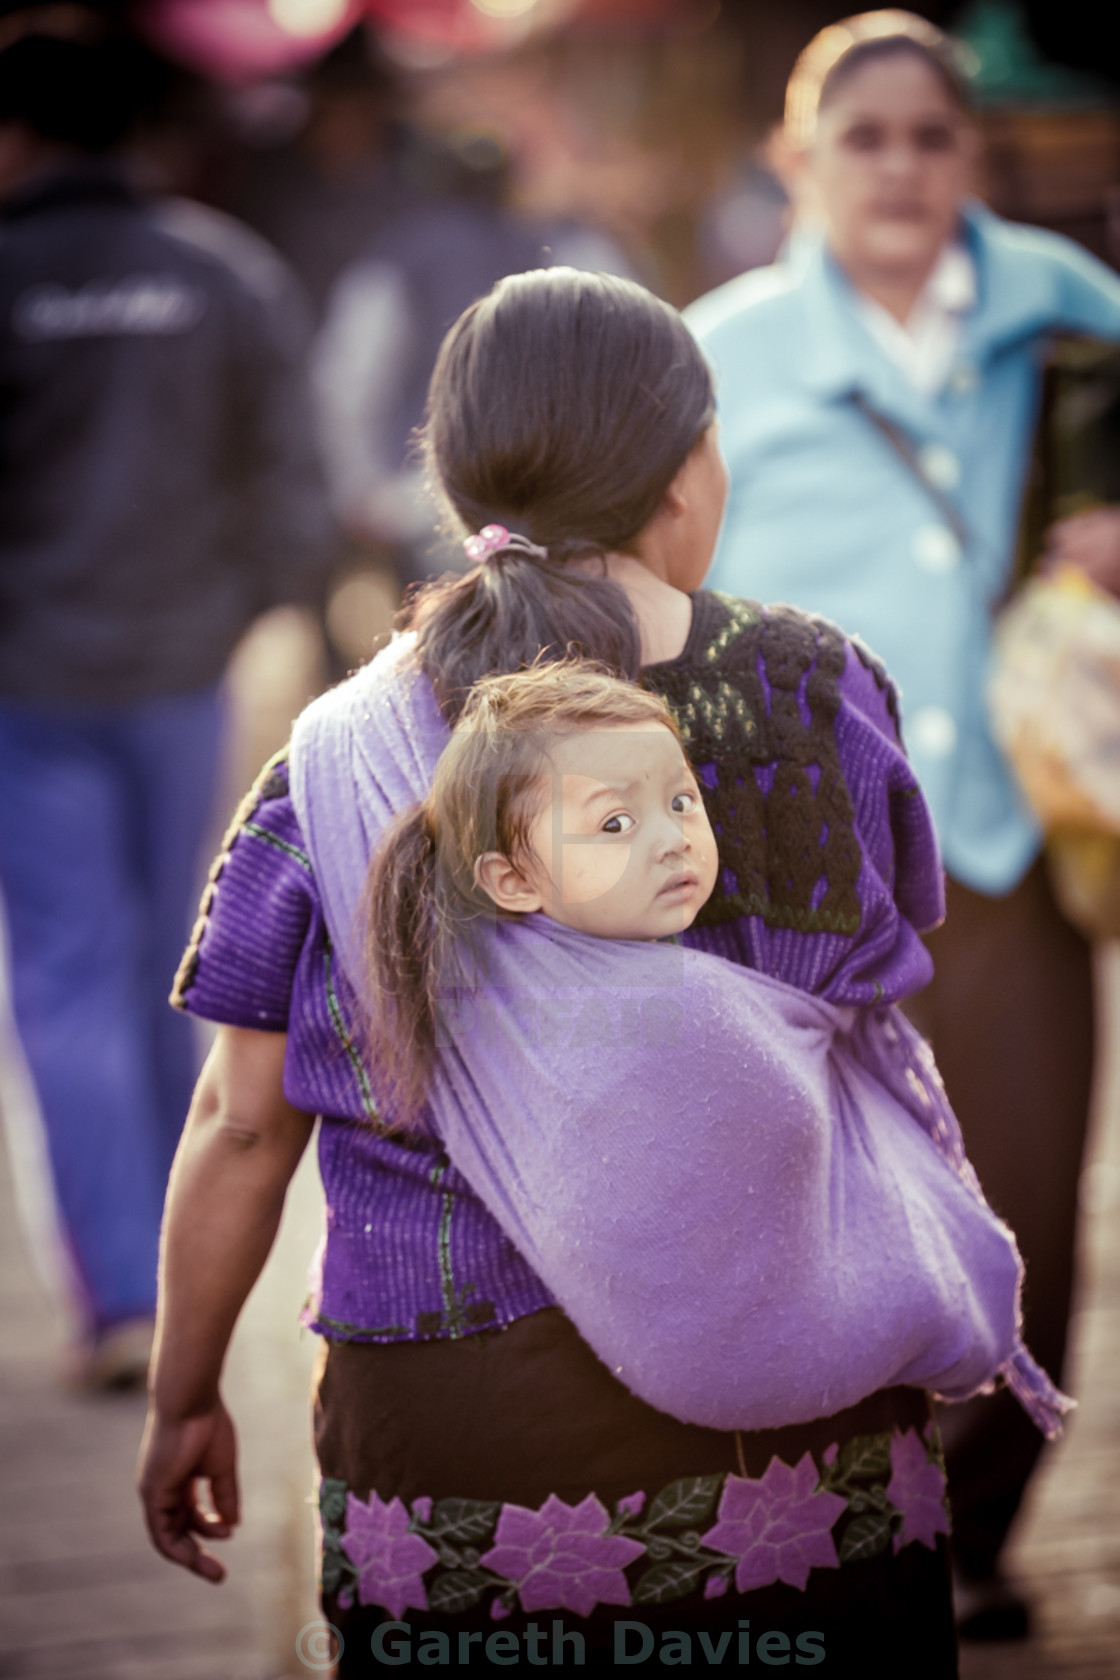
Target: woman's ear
[[788, 159], [692, 485], [505, 884], [680, 493], [675, 500]]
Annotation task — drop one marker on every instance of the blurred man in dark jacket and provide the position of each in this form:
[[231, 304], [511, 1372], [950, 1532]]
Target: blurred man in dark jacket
[[158, 489]]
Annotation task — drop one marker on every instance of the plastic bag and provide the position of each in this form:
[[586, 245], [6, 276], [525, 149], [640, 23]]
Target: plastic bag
[[1055, 700]]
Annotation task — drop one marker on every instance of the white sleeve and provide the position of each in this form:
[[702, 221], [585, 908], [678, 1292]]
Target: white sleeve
[[359, 367]]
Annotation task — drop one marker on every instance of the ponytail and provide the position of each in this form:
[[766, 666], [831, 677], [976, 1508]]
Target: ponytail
[[512, 610], [403, 958]]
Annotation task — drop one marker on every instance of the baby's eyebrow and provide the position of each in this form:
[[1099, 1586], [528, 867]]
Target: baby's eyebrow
[[610, 791]]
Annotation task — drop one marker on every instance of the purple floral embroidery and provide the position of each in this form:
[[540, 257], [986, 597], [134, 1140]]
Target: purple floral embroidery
[[390, 1561], [562, 1557], [917, 1489], [777, 1526]]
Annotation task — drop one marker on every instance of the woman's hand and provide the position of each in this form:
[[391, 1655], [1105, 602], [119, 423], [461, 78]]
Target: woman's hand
[[241, 1145], [173, 1457], [1090, 541]]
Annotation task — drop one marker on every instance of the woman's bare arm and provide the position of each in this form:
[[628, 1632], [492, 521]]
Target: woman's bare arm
[[242, 1143]]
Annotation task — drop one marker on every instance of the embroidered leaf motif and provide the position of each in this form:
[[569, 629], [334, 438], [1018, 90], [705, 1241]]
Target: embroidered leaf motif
[[866, 1537], [452, 1557], [684, 1504], [332, 1502], [935, 1452], [866, 1456], [452, 1593], [668, 1581], [333, 1565], [462, 1520]]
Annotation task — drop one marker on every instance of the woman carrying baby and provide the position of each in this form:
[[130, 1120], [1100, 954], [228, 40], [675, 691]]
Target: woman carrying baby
[[485, 1477]]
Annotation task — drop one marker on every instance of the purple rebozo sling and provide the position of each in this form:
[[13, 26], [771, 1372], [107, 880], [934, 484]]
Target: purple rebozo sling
[[753, 1204]]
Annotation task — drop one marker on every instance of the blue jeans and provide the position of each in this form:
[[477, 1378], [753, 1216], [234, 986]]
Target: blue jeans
[[103, 810]]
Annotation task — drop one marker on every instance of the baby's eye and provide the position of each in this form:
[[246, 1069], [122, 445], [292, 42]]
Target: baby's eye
[[685, 803], [618, 824]]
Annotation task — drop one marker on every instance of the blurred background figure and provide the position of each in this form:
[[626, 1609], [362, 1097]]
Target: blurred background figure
[[878, 391], [158, 488], [744, 225], [375, 353], [326, 163]]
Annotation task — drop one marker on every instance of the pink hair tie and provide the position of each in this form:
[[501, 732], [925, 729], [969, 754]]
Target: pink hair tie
[[488, 541], [495, 539]]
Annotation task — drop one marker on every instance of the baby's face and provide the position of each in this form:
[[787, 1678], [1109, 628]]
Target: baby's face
[[621, 846]]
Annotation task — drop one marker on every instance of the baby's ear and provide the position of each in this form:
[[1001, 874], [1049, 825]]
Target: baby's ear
[[505, 884]]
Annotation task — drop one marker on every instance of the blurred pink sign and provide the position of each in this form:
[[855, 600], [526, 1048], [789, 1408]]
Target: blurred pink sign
[[240, 40]]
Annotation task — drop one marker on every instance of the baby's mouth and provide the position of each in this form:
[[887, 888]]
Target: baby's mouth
[[679, 883]]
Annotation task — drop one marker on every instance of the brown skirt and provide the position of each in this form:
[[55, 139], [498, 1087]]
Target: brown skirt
[[503, 1498]]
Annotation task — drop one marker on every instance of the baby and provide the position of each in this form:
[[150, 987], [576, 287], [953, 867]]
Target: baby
[[563, 791]]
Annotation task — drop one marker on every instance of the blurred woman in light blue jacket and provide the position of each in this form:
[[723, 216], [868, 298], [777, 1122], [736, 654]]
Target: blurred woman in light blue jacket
[[878, 390]]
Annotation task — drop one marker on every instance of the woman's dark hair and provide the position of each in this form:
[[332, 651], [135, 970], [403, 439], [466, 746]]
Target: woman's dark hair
[[423, 902], [562, 406], [837, 52]]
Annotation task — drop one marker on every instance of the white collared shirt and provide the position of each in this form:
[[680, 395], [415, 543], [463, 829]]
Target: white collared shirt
[[924, 347]]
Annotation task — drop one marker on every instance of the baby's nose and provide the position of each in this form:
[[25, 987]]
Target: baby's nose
[[671, 838]]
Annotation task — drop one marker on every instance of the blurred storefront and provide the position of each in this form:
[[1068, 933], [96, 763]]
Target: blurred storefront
[[645, 118], [1052, 132]]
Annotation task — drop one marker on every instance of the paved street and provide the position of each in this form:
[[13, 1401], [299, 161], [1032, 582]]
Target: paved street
[[82, 1597], [82, 1594], [1067, 1548]]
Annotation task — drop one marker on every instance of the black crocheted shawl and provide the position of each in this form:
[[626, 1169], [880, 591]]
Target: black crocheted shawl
[[774, 787]]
